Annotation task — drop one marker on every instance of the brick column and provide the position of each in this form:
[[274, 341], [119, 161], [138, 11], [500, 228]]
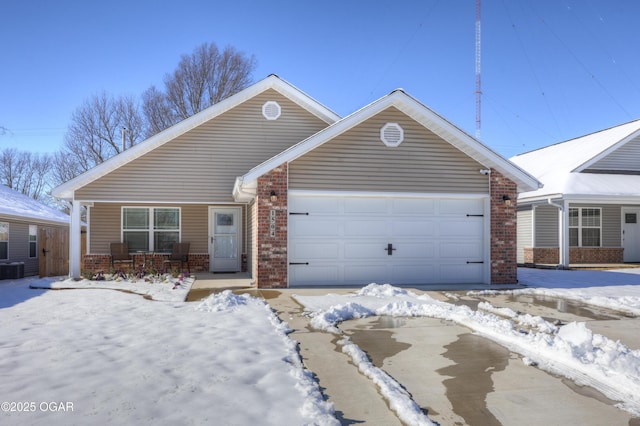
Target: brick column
[[271, 236], [503, 230]]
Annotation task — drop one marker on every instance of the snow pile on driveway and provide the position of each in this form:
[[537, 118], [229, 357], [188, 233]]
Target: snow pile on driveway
[[572, 350], [109, 357]]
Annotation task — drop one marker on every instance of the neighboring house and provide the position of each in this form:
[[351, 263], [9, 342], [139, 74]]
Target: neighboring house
[[589, 208], [33, 237], [273, 182]]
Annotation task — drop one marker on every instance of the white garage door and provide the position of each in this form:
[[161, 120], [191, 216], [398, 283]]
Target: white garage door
[[357, 240]]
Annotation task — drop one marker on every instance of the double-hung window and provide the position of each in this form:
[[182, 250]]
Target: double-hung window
[[33, 241], [585, 227], [150, 228], [4, 240]]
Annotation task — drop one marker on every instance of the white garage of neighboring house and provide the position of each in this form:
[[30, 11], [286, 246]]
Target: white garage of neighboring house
[[274, 183]]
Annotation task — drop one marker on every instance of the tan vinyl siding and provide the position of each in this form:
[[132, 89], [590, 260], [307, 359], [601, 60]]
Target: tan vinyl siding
[[625, 158], [359, 161], [611, 223], [546, 226], [525, 232], [19, 247], [105, 220], [202, 164]]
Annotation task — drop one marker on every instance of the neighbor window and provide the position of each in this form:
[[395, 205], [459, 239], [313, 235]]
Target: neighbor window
[[4, 240], [585, 227], [33, 241], [150, 228]]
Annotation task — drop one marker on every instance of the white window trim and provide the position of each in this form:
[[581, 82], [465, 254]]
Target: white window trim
[[151, 217], [580, 226]]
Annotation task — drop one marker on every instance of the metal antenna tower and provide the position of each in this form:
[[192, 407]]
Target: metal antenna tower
[[478, 72]]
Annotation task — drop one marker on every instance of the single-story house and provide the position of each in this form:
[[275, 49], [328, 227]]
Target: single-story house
[[589, 208], [272, 182], [33, 237]]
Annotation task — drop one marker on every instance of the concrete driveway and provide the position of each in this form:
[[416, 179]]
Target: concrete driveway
[[456, 377]]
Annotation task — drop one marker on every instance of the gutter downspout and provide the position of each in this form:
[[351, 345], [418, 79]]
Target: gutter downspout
[[563, 232]]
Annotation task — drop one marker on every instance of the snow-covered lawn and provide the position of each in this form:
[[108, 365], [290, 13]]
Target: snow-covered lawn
[[93, 356], [98, 356]]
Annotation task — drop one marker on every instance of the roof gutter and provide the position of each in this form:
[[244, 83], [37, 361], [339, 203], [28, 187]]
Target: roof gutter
[[240, 194]]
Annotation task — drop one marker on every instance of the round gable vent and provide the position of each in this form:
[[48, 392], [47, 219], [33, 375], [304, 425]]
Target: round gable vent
[[392, 134], [271, 110]]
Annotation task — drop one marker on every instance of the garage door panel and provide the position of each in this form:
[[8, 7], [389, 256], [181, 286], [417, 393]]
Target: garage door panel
[[303, 227], [365, 274], [413, 228], [460, 273], [368, 228], [413, 274], [365, 205], [464, 227], [468, 250], [364, 250], [316, 250], [413, 206], [465, 206], [311, 205], [419, 251], [314, 275]]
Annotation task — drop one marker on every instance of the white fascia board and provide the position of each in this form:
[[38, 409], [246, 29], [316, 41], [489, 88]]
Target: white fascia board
[[67, 189], [607, 151]]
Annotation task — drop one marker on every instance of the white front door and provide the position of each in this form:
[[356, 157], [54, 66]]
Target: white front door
[[631, 234], [224, 239]]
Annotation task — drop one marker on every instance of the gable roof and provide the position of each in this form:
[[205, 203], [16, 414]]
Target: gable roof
[[561, 166], [17, 206], [67, 189], [411, 107]]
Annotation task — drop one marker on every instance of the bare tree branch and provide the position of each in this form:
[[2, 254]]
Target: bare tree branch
[[26, 172], [201, 79]]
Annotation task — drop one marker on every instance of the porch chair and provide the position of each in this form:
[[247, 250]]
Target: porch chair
[[179, 253], [120, 254]]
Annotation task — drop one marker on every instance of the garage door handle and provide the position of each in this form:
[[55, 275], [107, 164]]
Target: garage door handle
[[477, 261], [298, 263], [389, 249]]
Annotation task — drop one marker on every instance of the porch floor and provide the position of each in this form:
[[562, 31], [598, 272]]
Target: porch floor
[[207, 283]]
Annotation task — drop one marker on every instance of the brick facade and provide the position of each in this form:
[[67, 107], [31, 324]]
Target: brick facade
[[102, 262], [271, 235], [577, 255], [503, 230]]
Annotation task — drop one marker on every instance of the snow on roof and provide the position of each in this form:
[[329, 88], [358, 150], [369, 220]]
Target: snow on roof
[[15, 204], [557, 166]]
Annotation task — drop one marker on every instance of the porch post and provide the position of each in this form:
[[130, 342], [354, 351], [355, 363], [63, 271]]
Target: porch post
[[563, 226], [75, 231]]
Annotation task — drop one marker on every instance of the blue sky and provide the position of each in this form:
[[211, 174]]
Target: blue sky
[[551, 69]]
